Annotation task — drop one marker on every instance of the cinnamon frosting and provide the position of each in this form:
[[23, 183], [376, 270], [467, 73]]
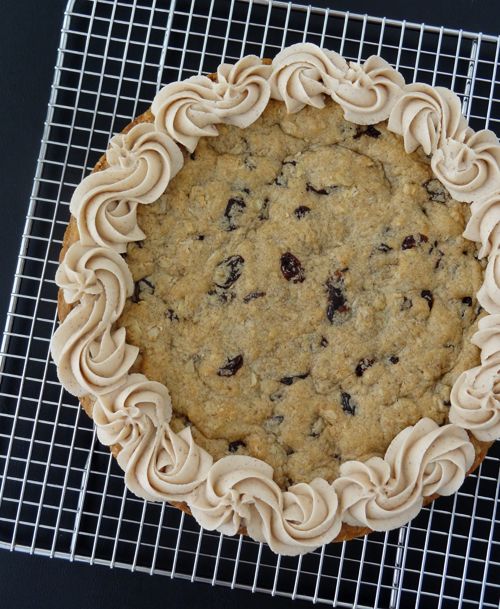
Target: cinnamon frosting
[[133, 413], [423, 459], [427, 116]]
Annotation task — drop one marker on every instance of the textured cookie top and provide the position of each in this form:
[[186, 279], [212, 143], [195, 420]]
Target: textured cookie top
[[304, 291]]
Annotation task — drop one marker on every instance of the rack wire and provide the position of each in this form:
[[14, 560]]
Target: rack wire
[[61, 494]]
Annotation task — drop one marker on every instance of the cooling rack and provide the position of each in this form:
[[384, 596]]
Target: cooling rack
[[61, 494]]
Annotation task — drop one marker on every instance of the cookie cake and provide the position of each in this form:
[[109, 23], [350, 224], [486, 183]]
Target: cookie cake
[[279, 298]]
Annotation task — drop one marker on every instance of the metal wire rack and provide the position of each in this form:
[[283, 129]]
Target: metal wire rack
[[61, 494]]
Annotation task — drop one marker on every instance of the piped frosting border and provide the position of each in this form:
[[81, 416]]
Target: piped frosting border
[[132, 413]]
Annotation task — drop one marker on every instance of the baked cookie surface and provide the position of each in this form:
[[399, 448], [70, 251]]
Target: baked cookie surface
[[304, 291]]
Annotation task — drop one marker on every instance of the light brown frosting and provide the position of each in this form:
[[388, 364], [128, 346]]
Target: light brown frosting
[[303, 74], [141, 164], [423, 459], [469, 167], [475, 400], [240, 491], [133, 413], [368, 92], [426, 116]]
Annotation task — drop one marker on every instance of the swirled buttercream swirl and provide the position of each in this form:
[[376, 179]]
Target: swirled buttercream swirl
[[136, 408], [487, 337], [475, 400], [426, 116], [185, 110], [141, 164], [90, 357], [165, 466], [243, 91], [422, 460], [368, 92], [303, 74], [90, 270], [484, 223], [240, 491], [469, 167], [190, 109], [159, 464]]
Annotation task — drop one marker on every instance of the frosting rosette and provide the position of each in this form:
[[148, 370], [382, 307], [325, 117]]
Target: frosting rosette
[[487, 337], [426, 116], [159, 464], [190, 109], [90, 357], [166, 466], [368, 92], [243, 91], [475, 399], [303, 74], [240, 492], [422, 460], [141, 164], [469, 167], [134, 409], [484, 224], [92, 271], [185, 110]]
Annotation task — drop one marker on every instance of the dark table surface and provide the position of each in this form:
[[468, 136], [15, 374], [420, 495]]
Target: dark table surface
[[29, 36]]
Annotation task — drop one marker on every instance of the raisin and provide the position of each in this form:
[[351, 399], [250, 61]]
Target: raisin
[[320, 191], [192, 156], [172, 315], [253, 296], [228, 271], [324, 342], [394, 359], [231, 367], [406, 304], [467, 300], [370, 131], [200, 237], [291, 268], [337, 302], [447, 403], [289, 380], [140, 244], [435, 190], [427, 295], [234, 446], [264, 210], [136, 296], [363, 365], [411, 241], [301, 211], [234, 208], [246, 190], [383, 247], [348, 405]]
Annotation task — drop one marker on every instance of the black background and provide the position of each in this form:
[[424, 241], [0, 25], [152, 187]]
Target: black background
[[29, 36]]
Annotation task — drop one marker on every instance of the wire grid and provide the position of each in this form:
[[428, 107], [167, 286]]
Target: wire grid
[[61, 493]]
